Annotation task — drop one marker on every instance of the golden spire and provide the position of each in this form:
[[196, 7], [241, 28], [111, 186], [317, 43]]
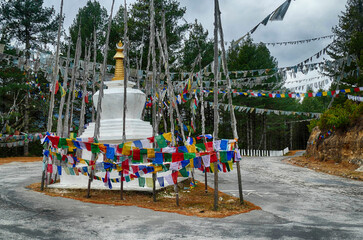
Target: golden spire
[[119, 67]]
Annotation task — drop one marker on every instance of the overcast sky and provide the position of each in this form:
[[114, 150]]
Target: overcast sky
[[304, 19]]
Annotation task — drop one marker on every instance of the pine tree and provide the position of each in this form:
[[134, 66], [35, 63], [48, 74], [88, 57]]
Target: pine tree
[[29, 22], [349, 43], [197, 42], [92, 16]]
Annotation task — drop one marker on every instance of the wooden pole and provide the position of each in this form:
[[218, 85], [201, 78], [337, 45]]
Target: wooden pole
[[54, 80], [71, 85], [84, 90], [122, 185], [63, 98], [94, 71], [229, 94], [202, 112], [99, 102], [153, 83], [215, 104], [126, 77], [171, 98], [140, 63]]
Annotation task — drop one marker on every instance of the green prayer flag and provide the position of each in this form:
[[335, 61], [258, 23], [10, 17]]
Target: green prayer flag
[[62, 143], [184, 172], [161, 141], [141, 182], [127, 178], [200, 146], [95, 148], [143, 151], [189, 156], [59, 157], [167, 157], [223, 156]]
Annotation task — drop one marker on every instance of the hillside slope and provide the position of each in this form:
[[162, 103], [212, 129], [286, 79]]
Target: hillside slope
[[340, 146]]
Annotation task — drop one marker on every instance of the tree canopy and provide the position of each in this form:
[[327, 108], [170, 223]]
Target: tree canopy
[[28, 22]]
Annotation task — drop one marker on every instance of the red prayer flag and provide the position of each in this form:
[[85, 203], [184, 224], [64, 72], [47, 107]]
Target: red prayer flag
[[175, 177], [54, 140], [88, 146], [177, 157], [310, 94], [136, 154], [135, 169], [213, 158], [209, 146], [125, 165], [356, 89], [50, 168]]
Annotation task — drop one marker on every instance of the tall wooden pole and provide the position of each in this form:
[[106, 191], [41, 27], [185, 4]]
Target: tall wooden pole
[[63, 98], [96, 133], [229, 94], [54, 80], [202, 113], [94, 71], [153, 85], [126, 77], [215, 104], [84, 90], [171, 96], [72, 84]]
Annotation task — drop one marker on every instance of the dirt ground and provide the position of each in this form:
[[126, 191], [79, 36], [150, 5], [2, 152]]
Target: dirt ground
[[343, 169], [19, 159], [193, 202]]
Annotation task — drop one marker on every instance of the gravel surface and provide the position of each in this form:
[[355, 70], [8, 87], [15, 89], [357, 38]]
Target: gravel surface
[[297, 203]]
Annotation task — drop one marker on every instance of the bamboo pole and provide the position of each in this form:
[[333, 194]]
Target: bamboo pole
[[229, 89], [54, 80], [99, 102], [215, 104]]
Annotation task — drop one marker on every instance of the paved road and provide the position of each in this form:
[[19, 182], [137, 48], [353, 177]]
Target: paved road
[[297, 203]]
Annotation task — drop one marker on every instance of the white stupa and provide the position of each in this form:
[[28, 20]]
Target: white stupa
[[111, 127]]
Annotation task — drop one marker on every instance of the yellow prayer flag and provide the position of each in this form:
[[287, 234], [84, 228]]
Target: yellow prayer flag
[[158, 169], [230, 163], [191, 148], [191, 165], [126, 150], [325, 94], [212, 167], [150, 153], [347, 90], [167, 136], [282, 95]]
